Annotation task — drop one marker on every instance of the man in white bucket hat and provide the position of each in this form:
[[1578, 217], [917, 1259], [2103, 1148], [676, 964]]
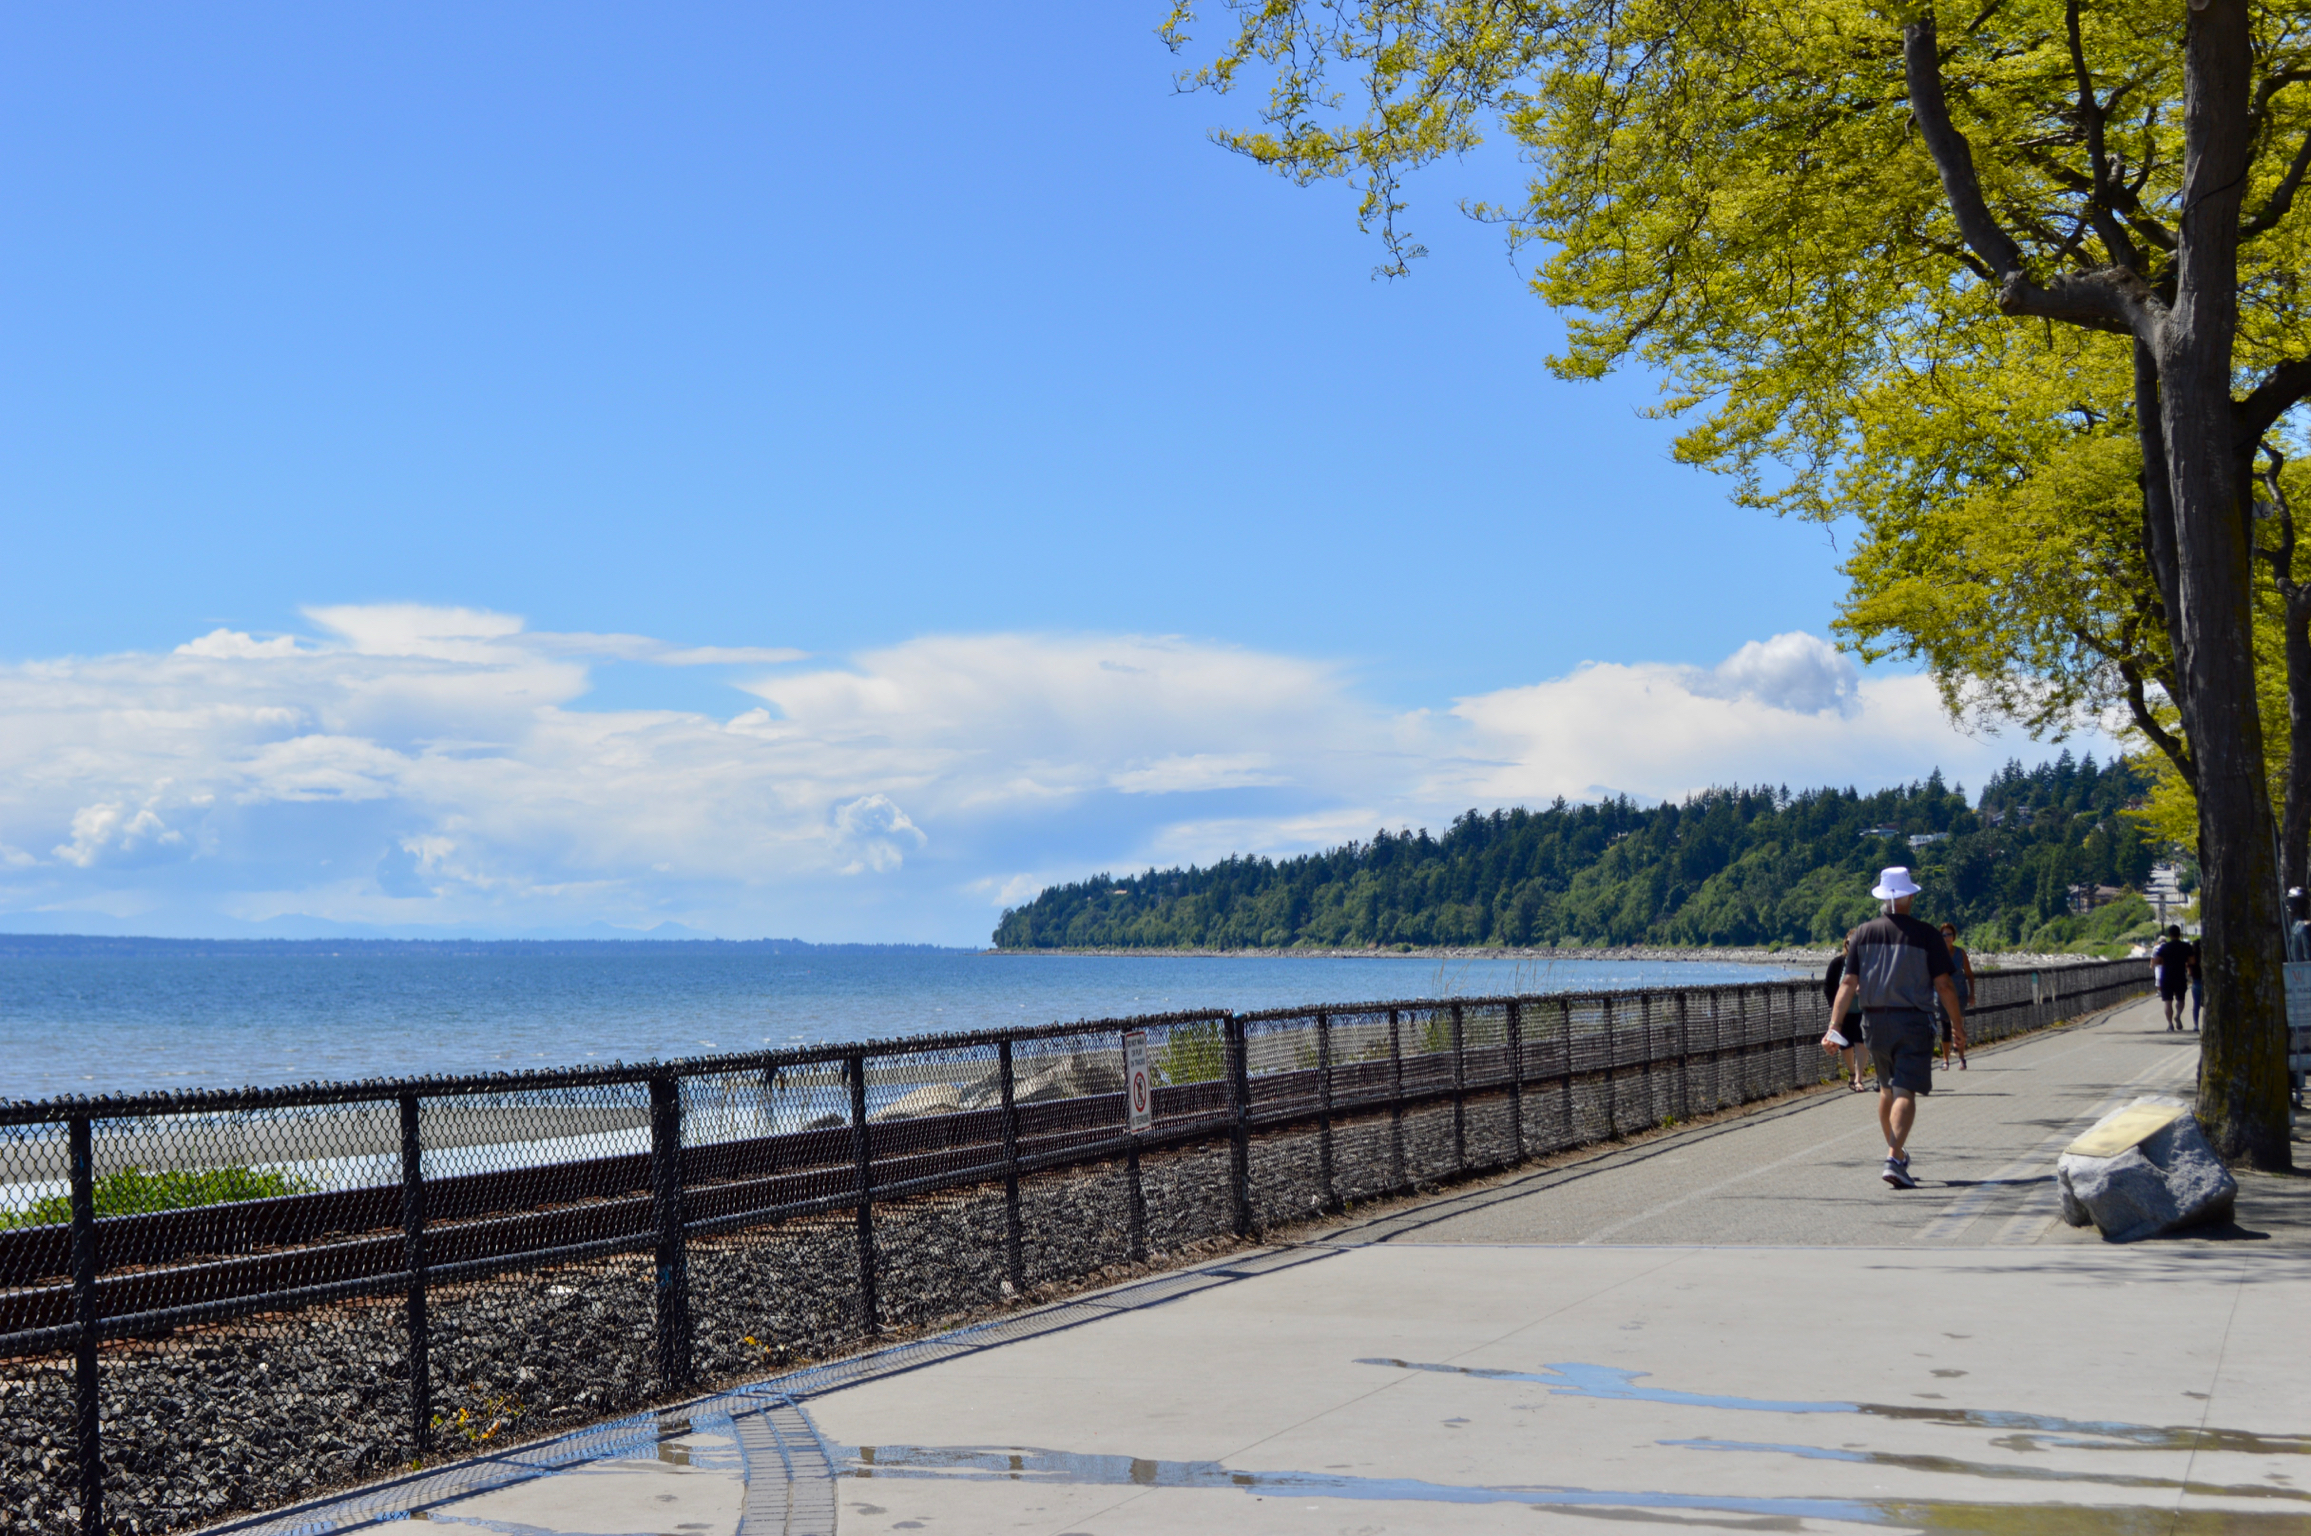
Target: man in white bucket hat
[[1895, 965]]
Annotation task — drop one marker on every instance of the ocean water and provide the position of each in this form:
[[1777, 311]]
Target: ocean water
[[74, 1024]]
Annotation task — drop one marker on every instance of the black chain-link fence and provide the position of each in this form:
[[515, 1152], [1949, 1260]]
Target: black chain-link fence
[[225, 1301]]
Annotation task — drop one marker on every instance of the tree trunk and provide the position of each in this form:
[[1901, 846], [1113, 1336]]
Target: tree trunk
[[2242, 1060], [2295, 822]]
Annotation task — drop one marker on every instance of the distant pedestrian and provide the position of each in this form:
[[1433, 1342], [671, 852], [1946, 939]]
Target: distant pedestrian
[[2198, 987], [1895, 967], [1962, 973], [2298, 924], [2171, 965], [1847, 1041]]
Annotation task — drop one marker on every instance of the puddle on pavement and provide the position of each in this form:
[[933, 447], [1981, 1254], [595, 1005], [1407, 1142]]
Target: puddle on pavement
[[2027, 1431], [2028, 1474], [1027, 1464]]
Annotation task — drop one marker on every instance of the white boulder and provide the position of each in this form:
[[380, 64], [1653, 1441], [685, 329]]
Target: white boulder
[[2167, 1180]]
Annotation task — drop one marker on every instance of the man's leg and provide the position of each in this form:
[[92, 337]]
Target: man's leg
[[1897, 1112]]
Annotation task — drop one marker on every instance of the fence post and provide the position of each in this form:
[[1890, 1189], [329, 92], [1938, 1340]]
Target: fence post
[[413, 1259], [673, 1248], [1565, 1082], [1014, 1258], [1516, 1033], [1716, 1053], [1612, 1081], [85, 1417], [1459, 1093], [1135, 1193], [1645, 1071], [1324, 1110], [1239, 1124], [1684, 1057], [1789, 1040], [1136, 1238], [1396, 1169], [870, 1315]]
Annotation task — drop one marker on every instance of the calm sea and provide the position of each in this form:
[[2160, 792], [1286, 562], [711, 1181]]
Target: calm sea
[[121, 1023]]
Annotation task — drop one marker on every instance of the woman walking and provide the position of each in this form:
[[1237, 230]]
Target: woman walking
[[1847, 1042], [1962, 972]]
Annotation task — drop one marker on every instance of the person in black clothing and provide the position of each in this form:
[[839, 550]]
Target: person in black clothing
[[2198, 988], [1851, 1035], [1895, 967], [2173, 963], [1961, 973]]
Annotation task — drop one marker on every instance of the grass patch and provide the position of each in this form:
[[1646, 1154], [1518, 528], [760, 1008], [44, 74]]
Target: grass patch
[[134, 1192]]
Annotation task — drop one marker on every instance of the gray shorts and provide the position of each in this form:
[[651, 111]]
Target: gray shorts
[[1903, 1052]]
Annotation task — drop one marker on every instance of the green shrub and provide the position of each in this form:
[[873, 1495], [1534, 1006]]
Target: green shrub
[[133, 1192], [1193, 1053]]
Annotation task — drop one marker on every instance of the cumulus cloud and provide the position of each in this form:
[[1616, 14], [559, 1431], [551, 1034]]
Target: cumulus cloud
[[233, 644], [1766, 715], [414, 764], [1800, 673]]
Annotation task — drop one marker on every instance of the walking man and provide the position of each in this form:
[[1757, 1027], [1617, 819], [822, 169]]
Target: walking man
[[1895, 967]]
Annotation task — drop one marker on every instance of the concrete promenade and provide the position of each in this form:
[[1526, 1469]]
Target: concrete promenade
[[1732, 1327]]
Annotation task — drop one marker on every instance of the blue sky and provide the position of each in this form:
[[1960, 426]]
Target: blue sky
[[789, 471]]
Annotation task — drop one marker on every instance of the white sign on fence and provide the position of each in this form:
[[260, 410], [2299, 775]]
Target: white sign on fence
[[1139, 1093]]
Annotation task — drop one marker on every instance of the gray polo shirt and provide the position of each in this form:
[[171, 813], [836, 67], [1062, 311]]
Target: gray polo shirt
[[1897, 957]]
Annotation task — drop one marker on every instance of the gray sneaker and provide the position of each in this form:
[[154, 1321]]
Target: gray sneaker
[[1898, 1173]]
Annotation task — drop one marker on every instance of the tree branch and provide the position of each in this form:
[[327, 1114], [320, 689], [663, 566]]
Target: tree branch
[[2090, 116], [2112, 299], [2138, 706], [2282, 556], [2282, 196], [2282, 389], [1953, 156]]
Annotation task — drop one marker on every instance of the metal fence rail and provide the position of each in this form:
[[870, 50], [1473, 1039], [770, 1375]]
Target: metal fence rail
[[220, 1301]]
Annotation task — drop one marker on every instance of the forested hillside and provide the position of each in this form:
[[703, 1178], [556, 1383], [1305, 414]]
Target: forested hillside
[[1751, 866]]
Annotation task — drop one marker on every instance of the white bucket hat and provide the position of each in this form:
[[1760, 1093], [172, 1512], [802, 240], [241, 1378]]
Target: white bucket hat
[[1895, 883]]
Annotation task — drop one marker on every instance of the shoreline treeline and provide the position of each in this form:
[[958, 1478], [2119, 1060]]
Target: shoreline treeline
[[1726, 867]]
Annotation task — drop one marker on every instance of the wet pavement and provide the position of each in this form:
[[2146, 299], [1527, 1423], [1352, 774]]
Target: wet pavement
[[1735, 1327]]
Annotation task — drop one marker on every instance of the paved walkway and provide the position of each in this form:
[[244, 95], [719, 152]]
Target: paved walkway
[[1805, 1174], [1735, 1327]]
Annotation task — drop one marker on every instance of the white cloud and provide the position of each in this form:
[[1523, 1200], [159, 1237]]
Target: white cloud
[[232, 644], [1803, 674], [1663, 732], [419, 764], [411, 629], [111, 825], [878, 831], [1178, 774], [725, 655]]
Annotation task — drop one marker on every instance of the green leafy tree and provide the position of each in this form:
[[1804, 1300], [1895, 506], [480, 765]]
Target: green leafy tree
[[1784, 208]]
